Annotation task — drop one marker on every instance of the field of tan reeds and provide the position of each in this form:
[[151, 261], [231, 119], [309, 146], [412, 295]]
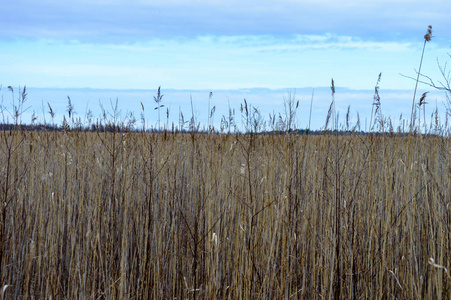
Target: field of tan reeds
[[116, 213], [135, 215]]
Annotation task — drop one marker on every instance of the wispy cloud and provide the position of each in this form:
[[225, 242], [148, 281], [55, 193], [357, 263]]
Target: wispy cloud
[[206, 62], [217, 44], [126, 21], [300, 42]]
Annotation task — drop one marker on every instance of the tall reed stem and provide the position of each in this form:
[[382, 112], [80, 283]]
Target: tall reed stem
[[427, 38]]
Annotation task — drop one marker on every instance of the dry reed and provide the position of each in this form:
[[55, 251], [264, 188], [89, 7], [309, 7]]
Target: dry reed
[[123, 215]]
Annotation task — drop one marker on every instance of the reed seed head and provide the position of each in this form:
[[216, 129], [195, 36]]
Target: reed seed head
[[423, 99], [428, 35]]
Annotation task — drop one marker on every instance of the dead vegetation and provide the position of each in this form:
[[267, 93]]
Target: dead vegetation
[[122, 215]]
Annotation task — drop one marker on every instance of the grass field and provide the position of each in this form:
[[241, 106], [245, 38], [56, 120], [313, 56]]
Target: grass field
[[133, 215]]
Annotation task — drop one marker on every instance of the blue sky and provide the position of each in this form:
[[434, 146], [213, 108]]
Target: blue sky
[[221, 45]]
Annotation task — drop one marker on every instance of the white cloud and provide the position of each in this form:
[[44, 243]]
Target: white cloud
[[220, 62], [125, 21]]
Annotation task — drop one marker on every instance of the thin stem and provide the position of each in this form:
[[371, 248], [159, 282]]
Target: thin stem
[[412, 121], [311, 105]]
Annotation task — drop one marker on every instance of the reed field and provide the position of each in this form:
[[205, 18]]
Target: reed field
[[111, 212], [135, 215]]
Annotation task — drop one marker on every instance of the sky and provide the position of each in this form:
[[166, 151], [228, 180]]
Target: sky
[[222, 46]]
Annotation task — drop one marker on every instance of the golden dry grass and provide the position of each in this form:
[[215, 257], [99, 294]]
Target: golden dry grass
[[206, 216]]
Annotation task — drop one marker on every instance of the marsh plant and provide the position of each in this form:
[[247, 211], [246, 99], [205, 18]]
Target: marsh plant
[[116, 213], [119, 214], [158, 98], [427, 38]]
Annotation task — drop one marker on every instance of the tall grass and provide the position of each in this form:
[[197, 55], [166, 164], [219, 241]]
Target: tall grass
[[115, 213], [427, 38], [126, 215]]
